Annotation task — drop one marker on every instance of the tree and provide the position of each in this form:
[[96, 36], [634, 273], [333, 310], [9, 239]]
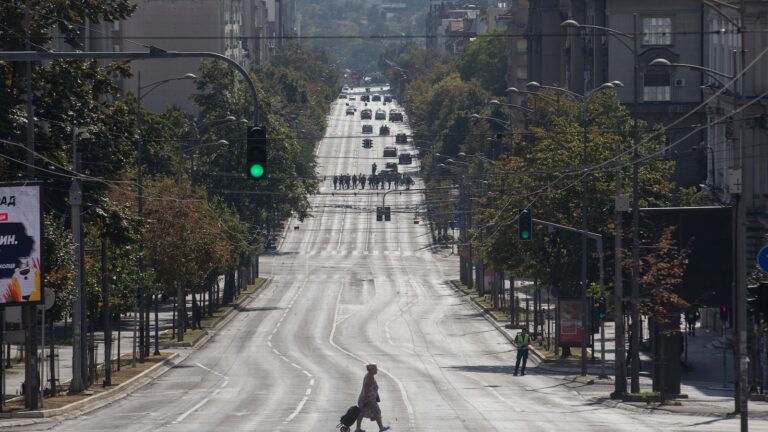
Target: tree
[[485, 60]]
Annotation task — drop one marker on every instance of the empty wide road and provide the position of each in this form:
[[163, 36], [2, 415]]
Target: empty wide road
[[346, 290]]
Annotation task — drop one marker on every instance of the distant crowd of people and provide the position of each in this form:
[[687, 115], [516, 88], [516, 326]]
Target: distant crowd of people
[[374, 181]]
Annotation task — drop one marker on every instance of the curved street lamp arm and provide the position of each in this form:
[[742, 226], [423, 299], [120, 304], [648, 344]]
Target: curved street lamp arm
[[154, 53], [614, 33]]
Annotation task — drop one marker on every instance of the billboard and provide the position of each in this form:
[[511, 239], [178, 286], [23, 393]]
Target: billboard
[[21, 235], [570, 313]]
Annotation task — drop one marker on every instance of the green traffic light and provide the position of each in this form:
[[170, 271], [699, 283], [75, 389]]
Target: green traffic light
[[257, 171], [525, 235]]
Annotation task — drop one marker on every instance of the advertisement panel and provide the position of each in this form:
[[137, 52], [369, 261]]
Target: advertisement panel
[[571, 331], [21, 235]]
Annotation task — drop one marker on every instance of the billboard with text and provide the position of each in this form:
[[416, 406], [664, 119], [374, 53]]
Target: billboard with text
[[21, 235]]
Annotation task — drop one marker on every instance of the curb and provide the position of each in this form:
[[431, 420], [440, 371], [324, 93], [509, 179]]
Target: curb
[[26, 418], [75, 409], [203, 337]]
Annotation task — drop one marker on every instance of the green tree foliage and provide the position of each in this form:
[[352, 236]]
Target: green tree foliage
[[544, 173], [485, 60]]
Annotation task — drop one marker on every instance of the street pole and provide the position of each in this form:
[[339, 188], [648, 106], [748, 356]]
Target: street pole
[[77, 385], [584, 303], [744, 194], [601, 254], [620, 368], [140, 211], [635, 334], [107, 315]]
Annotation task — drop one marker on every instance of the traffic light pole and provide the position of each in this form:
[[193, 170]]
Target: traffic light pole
[[599, 239]]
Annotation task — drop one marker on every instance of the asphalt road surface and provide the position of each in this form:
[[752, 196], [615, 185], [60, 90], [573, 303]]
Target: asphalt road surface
[[347, 290]]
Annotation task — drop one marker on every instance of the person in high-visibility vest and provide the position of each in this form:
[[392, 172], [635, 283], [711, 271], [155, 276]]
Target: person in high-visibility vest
[[522, 340]]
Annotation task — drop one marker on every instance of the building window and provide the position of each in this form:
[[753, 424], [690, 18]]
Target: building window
[[657, 31], [656, 87]]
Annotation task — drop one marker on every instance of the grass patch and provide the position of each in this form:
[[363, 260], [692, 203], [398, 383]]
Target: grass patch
[[125, 373]]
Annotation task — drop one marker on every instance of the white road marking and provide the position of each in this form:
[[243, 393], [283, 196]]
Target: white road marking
[[191, 410], [408, 407]]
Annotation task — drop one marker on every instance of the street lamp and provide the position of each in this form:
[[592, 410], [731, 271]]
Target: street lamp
[[620, 386], [520, 107], [478, 116], [584, 100], [140, 211], [666, 63]]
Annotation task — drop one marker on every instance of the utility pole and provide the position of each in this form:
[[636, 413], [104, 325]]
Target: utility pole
[[140, 210], [29, 312], [634, 342], [107, 318], [77, 384]]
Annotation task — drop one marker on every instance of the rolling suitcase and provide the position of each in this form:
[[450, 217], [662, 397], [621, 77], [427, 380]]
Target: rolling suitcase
[[349, 418]]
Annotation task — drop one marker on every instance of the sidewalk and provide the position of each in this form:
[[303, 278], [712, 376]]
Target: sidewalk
[[14, 376], [701, 382]]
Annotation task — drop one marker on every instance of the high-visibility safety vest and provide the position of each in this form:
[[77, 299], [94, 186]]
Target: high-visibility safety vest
[[522, 340]]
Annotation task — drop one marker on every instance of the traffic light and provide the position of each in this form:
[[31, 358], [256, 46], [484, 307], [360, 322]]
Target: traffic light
[[723, 313], [379, 214], [256, 152], [525, 225], [602, 308], [757, 300], [387, 214]]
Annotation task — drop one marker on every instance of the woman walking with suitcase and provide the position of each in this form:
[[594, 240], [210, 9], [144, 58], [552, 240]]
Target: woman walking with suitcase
[[368, 401]]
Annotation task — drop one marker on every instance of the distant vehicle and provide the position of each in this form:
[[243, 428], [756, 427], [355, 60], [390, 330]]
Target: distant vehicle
[[346, 89], [385, 172], [365, 114], [390, 151], [352, 97], [387, 99], [351, 110], [395, 115], [367, 143], [401, 138], [384, 130], [376, 98], [365, 98], [391, 166], [381, 114], [367, 129], [405, 159], [342, 96]]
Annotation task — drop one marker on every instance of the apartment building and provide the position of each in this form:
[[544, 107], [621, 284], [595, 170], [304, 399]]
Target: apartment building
[[728, 134], [246, 31]]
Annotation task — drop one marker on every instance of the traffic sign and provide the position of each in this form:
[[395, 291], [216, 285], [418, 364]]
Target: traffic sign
[[762, 259]]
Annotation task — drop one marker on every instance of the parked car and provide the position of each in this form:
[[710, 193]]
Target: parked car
[[352, 97], [367, 129], [381, 114], [390, 151], [387, 99], [342, 96], [365, 98], [367, 143], [365, 114], [405, 159], [351, 110], [401, 138], [384, 130], [391, 166], [376, 98]]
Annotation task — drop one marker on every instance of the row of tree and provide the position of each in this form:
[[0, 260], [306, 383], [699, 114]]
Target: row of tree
[[504, 159], [202, 217]]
